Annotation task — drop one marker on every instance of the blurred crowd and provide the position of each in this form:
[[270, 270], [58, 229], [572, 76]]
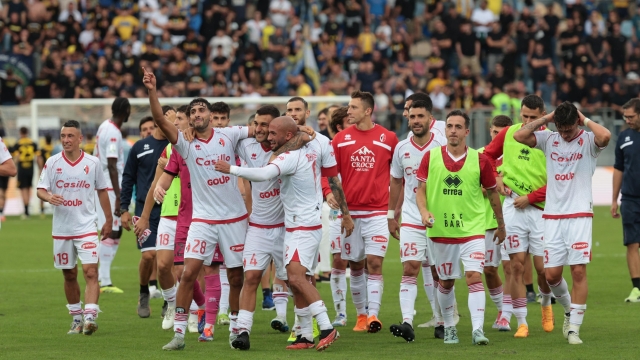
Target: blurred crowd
[[466, 54]]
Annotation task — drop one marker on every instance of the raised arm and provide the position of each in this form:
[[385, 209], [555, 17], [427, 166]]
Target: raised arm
[[602, 134], [525, 134], [167, 127]]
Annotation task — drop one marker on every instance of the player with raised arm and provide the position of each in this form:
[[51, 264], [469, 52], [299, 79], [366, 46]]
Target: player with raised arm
[[451, 207], [363, 153], [111, 154], [571, 155], [493, 251], [69, 181], [412, 234], [524, 184], [301, 199]]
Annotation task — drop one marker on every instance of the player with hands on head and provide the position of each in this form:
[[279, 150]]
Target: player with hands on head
[[571, 154], [69, 181]]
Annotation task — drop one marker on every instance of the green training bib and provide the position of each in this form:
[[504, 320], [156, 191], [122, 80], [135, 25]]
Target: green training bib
[[455, 198], [523, 169], [171, 203]]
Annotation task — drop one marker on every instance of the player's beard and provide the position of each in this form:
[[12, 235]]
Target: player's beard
[[203, 127], [420, 132], [302, 121]]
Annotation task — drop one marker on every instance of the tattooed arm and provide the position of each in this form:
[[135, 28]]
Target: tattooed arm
[[525, 134], [297, 141], [338, 194], [494, 200]]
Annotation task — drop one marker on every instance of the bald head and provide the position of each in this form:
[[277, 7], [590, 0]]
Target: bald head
[[281, 130]]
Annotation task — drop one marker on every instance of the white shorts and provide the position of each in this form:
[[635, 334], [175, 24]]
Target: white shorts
[[263, 245], [413, 244], [448, 257], [493, 252], [567, 241], [503, 251], [101, 217], [370, 237], [336, 236], [67, 252], [203, 238], [302, 246], [166, 234], [525, 229]]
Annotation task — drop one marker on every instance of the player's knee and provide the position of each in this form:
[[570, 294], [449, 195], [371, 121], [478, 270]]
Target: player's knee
[[578, 273], [447, 284], [517, 268], [553, 277], [90, 272], [410, 268], [374, 265], [235, 277], [491, 272], [252, 279], [70, 274], [473, 277], [356, 265], [148, 256]]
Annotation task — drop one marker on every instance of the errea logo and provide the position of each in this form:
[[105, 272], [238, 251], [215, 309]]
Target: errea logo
[[146, 147], [524, 154], [452, 183]]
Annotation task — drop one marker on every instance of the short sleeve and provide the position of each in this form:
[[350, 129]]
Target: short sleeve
[[5, 155], [396, 165], [44, 182], [618, 164], [241, 151], [541, 139], [113, 146], [237, 133], [101, 182], [423, 169], [182, 145], [328, 156], [595, 149]]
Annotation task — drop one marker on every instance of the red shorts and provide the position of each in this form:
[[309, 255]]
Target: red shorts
[[181, 241]]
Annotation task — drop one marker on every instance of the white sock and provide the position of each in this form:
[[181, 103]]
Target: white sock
[[296, 323], [106, 253], [91, 311], [339, 290], [193, 308], [224, 295], [496, 296], [169, 296], [245, 321], [359, 291], [319, 311], [305, 321], [75, 310], [233, 323], [280, 300], [446, 298], [561, 292], [577, 315], [375, 285], [520, 310], [546, 298], [180, 322], [477, 303], [438, 312], [366, 281], [507, 307], [429, 289], [408, 294]]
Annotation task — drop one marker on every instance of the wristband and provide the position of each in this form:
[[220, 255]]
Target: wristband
[[233, 170], [586, 121], [391, 214]]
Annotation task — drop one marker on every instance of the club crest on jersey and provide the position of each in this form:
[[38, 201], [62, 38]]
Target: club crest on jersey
[[221, 142], [383, 137], [363, 159], [580, 141], [86, 169]]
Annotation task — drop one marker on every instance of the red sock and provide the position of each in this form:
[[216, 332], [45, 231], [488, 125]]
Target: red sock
[[198, 296], [213, 292]]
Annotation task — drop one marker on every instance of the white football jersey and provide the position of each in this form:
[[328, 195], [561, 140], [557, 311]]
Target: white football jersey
[[405, 163], [77, 183], [299, 191], [266, 207], [325, 158], [570, 168], [437, 127], [4, 152], [109, 145], [216, 198]]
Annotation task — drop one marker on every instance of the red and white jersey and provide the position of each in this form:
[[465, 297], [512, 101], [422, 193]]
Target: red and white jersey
[[266, 207], [406, 161], [77, 183], [298, 190], [109, 145], [437, 127], [216, 198], [570, 168], [364, 162], [325, 164], [4, 152]]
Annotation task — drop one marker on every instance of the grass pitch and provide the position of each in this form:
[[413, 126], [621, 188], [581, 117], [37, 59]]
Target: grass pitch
[[34, 319]]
